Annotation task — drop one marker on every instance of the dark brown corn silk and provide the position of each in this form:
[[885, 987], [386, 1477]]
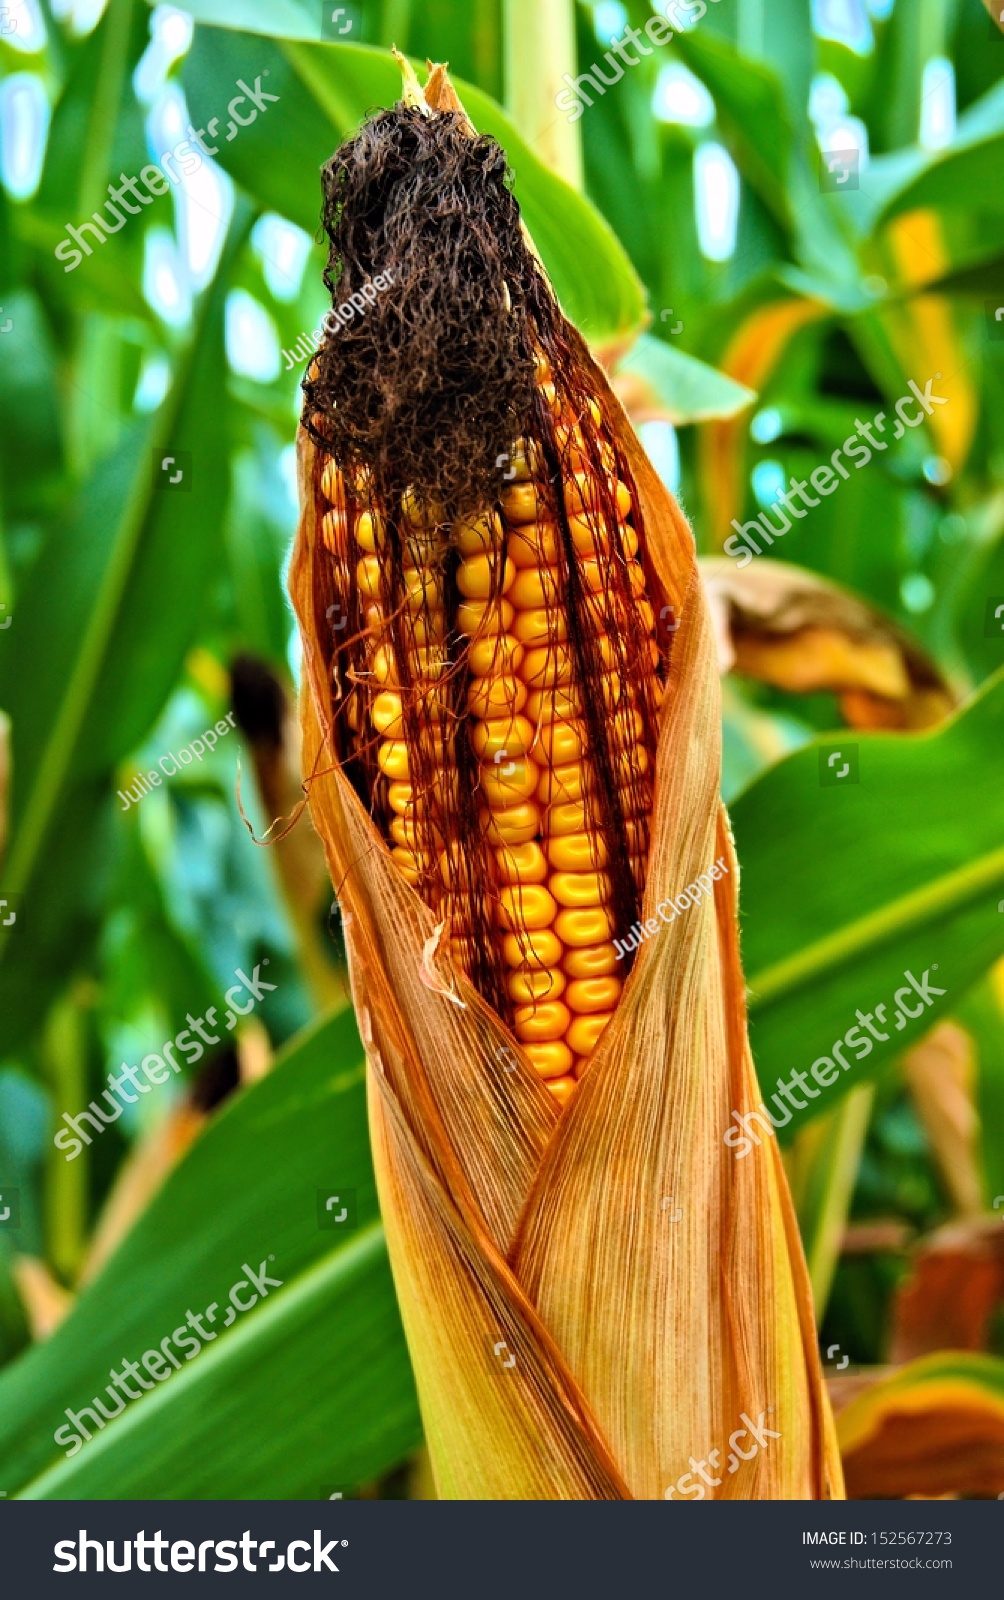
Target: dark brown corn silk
[[422, 408]]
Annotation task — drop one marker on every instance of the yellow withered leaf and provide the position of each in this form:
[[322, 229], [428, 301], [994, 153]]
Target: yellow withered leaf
[[933, 1428], [789, 627], [750, 357], [592, 1294]]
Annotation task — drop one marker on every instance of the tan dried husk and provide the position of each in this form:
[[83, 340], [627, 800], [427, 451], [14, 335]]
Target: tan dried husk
[[570, 1339]]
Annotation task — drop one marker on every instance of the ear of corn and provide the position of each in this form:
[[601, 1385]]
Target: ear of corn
[[514, 607], [522, 1212]]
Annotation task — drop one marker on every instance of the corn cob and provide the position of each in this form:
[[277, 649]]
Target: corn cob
[[522, 717], [494, 675]]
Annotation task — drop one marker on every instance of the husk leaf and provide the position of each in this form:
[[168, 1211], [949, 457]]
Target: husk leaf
[[569, 1339]]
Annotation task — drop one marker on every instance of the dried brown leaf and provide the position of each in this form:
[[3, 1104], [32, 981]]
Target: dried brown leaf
[[955, 1286], [791, 628]]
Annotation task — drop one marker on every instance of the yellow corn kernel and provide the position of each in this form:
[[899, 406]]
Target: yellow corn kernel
[[478, 535], [563, 1089], [596, 580], [535, 544], [392, 759], [528, 988], [484, 616], [552, 1060], [584, 1034], [582, 494], [429, 626], [370, 532], [558, 743], [430, 704], [606, 649], [407, 864], [509, 783], [582, 926], [577, 852], [595, 575], [521, 863], [591, 538], [427, 515], [591, 995], [543, 1022], [492, 698], [626, 729], [508, 736], [628, 540], [482, 577], [516, 825], [387, 715], [402, 831], [636, 831], [612, 691], [572, 448], [535, 948], [591, 961], [496, 653], [333, 484], [539, 625], [549, 667], [401, 799], [521, 503], [631, 763], [384, 665], [530, 906], [455, 875], [524, 461], [562, 704], [593, 541], [635, 799], [580, 888], [422, 589], [369, 576], [597, 609], [533, 587], [567, 818], [560, 785]]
